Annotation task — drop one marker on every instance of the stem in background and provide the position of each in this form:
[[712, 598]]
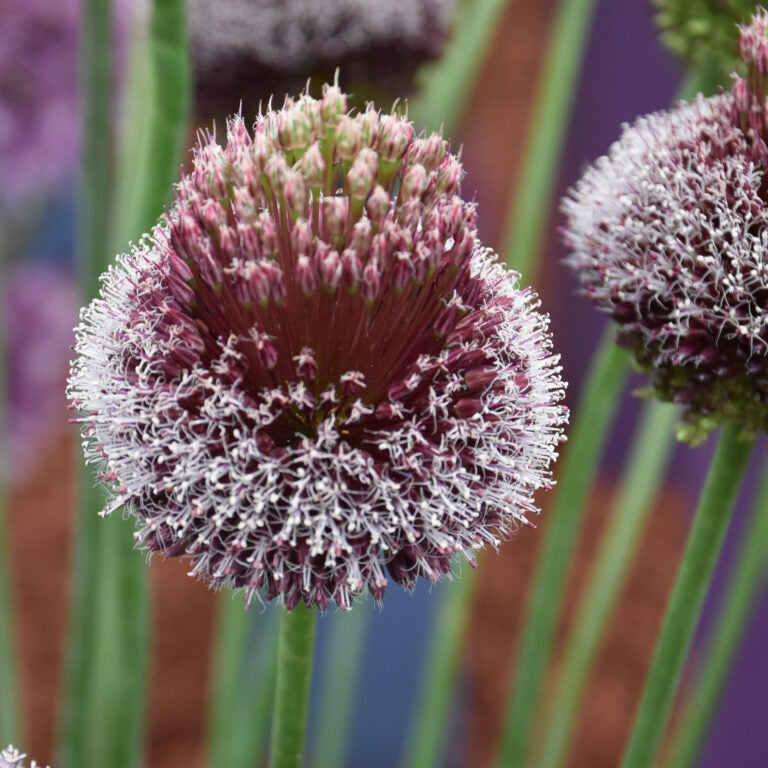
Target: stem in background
[[294, 675], [81, 679], [699, 559], [243, 682], [443, 662], [444, 87], [340, 680], [643, 473], [589, 430], [747, 580], [530, 207]]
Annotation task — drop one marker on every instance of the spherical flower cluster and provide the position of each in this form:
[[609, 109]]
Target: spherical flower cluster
[[702, 31], [12, 758], [669, 235], [311, 374], [251, 48]]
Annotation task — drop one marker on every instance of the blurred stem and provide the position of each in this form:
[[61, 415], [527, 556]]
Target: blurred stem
[[10, 701], [243, 681], [747, 580], [339, 685], [81, 679], [294, 675], [684, 607], [531, 203], [643, 473], [428, 733], [589, 431], [446, 85]]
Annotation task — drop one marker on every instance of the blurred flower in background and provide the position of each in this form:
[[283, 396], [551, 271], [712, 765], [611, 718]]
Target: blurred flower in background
[[40, 310], [251, 49], [38, 95], [703, 32]]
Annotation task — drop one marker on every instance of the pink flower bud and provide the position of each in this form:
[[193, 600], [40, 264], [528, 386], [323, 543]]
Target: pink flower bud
[[377, 205]]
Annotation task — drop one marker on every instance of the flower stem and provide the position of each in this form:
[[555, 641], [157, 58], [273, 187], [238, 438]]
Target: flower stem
[[445, 86], [643, 472], [736, 607], [242, 684], [598, 402], [10, 727], [339, 685], [81, 680], [294, 674], [443, 661], [694, 575], [530, 205]]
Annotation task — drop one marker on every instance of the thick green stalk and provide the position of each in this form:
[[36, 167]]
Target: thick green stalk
[[242, 684], [644, 471], [736, 607], [530, 205], [149, 160], [445, 86], [294, 675], [81, 679], [699, 559], [589, 430], [339, 684], [443, 662]]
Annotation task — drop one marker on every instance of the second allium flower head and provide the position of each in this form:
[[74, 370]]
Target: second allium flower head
[[311, 374], [669, 235]]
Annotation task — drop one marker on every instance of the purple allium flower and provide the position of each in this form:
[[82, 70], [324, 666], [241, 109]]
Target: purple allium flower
[[669, 235], [12, 758], [253, 48], [39, 338], [306, 382]]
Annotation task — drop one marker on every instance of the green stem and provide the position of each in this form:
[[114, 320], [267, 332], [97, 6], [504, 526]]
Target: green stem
[[736, 607], [699, 559], [644, 471], [589, 430], [294, 674], [10, 726], [531, 202], [443, 661], [446, 85], [339, 685], [81, 679], [242, 684]]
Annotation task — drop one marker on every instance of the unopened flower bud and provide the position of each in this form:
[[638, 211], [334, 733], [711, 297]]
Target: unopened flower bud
[[333, 105], [313, 166], [347, 138], [377, 205], [395, 135]]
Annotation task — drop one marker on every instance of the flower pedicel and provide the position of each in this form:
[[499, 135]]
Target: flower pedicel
[[311, 376]]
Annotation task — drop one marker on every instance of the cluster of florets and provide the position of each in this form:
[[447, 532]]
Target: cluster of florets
[[250, 48], [305, 381], [702, 31], [669, 235], [12, 758]]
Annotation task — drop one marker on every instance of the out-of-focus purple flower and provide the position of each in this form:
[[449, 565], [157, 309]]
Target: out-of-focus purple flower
[[669, 235], [12, 758], [39, 101], [253, 48], [38, 95], [40, 309], [306, 382]]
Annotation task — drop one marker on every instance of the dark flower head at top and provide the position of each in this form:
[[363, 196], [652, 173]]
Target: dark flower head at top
[[248, 49], [669, 235], [311, 377]]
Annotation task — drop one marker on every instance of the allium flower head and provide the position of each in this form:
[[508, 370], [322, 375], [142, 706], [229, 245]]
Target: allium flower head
[[272, 45], [12, 758], [311, 374], [669, 235], [702, 32]]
